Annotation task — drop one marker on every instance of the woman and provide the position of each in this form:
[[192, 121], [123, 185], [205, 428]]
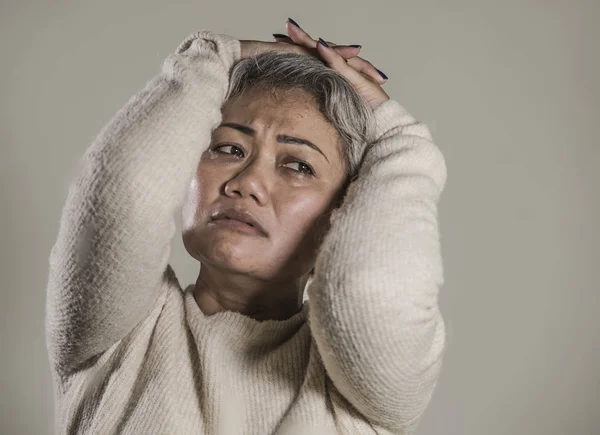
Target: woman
[[284, 157]]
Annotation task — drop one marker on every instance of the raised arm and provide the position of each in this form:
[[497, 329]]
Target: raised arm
[[374, 299], [113, 245]]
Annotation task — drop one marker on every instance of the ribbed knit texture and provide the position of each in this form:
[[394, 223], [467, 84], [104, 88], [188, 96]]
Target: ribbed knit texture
[[132, 353]]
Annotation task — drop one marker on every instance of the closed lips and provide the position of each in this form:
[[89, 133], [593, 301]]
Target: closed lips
[[242, 216]]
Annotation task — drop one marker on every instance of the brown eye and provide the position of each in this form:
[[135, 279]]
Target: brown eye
[[230, 146], [304, 168]]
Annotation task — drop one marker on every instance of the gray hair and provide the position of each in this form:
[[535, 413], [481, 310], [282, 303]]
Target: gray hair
[[337, 100]]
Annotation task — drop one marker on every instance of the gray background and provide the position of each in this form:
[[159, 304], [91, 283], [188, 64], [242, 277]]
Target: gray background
[[510, 91]]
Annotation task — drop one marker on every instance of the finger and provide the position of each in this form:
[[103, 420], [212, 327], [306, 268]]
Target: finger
[[367, 68], [299, 36], [334, 60], [346, 51], [343, 66]]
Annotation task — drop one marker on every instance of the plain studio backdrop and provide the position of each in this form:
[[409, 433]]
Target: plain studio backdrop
[[510, 92]]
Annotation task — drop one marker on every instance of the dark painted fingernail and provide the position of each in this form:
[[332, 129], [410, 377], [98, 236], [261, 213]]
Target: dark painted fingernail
[[323, 42], [382, 74], [294, 23], [356, 46], [280, 35]]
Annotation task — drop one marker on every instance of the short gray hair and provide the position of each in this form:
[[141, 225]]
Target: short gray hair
[[337, 100]]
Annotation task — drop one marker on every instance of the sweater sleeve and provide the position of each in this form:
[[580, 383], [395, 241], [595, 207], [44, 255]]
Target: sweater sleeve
[[374, 298], [111, 254]]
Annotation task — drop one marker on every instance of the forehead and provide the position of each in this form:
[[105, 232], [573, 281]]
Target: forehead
[[282, 111]]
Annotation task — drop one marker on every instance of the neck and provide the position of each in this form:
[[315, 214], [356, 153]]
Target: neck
[[218, 290]]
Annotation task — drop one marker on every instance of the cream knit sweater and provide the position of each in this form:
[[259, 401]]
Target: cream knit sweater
[[132, 353]]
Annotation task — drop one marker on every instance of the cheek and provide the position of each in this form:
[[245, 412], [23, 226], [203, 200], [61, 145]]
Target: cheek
[[196, 199], [301, 212]]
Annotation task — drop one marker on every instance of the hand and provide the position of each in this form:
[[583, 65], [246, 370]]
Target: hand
[[251, 48], [363, 76]]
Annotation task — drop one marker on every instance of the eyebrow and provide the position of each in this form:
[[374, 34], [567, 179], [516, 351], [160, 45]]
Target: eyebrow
[[281, 138]]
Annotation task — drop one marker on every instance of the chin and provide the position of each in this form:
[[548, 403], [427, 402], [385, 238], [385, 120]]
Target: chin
[[228, 251]]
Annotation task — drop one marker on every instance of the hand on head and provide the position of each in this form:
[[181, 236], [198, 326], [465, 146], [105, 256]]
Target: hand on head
[[344, 59]]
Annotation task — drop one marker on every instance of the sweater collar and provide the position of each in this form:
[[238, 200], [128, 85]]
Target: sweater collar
[[237, 325]]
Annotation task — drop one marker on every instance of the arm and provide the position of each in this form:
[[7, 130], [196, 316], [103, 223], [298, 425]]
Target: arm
[[374, 311], [113, 245]]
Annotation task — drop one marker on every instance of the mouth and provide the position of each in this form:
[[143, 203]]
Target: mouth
[[238, 219], [236, 225]]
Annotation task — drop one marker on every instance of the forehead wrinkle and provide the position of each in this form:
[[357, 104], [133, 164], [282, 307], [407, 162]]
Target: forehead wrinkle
[[284, 122]]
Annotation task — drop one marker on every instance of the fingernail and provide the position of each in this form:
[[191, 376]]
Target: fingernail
[[279, 35], [323, 42], [294, 23], [356, 46], [382, 74]]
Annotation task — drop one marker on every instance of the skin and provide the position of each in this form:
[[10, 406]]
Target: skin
[[263, 276]]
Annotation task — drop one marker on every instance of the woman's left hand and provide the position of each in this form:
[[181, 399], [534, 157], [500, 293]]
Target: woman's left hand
[[364, 77]]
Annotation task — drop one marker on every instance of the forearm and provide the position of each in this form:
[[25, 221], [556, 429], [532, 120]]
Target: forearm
[[374, 310], [119, 218]]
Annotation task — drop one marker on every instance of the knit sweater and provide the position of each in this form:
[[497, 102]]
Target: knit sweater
[[132, 353]]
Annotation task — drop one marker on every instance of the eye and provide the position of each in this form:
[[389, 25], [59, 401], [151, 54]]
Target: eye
[[304, 168], [217, 149]]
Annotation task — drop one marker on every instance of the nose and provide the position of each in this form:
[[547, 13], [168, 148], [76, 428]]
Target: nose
[[250, 182]]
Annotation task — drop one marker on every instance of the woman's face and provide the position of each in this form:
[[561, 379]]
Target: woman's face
[[259, 161]]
